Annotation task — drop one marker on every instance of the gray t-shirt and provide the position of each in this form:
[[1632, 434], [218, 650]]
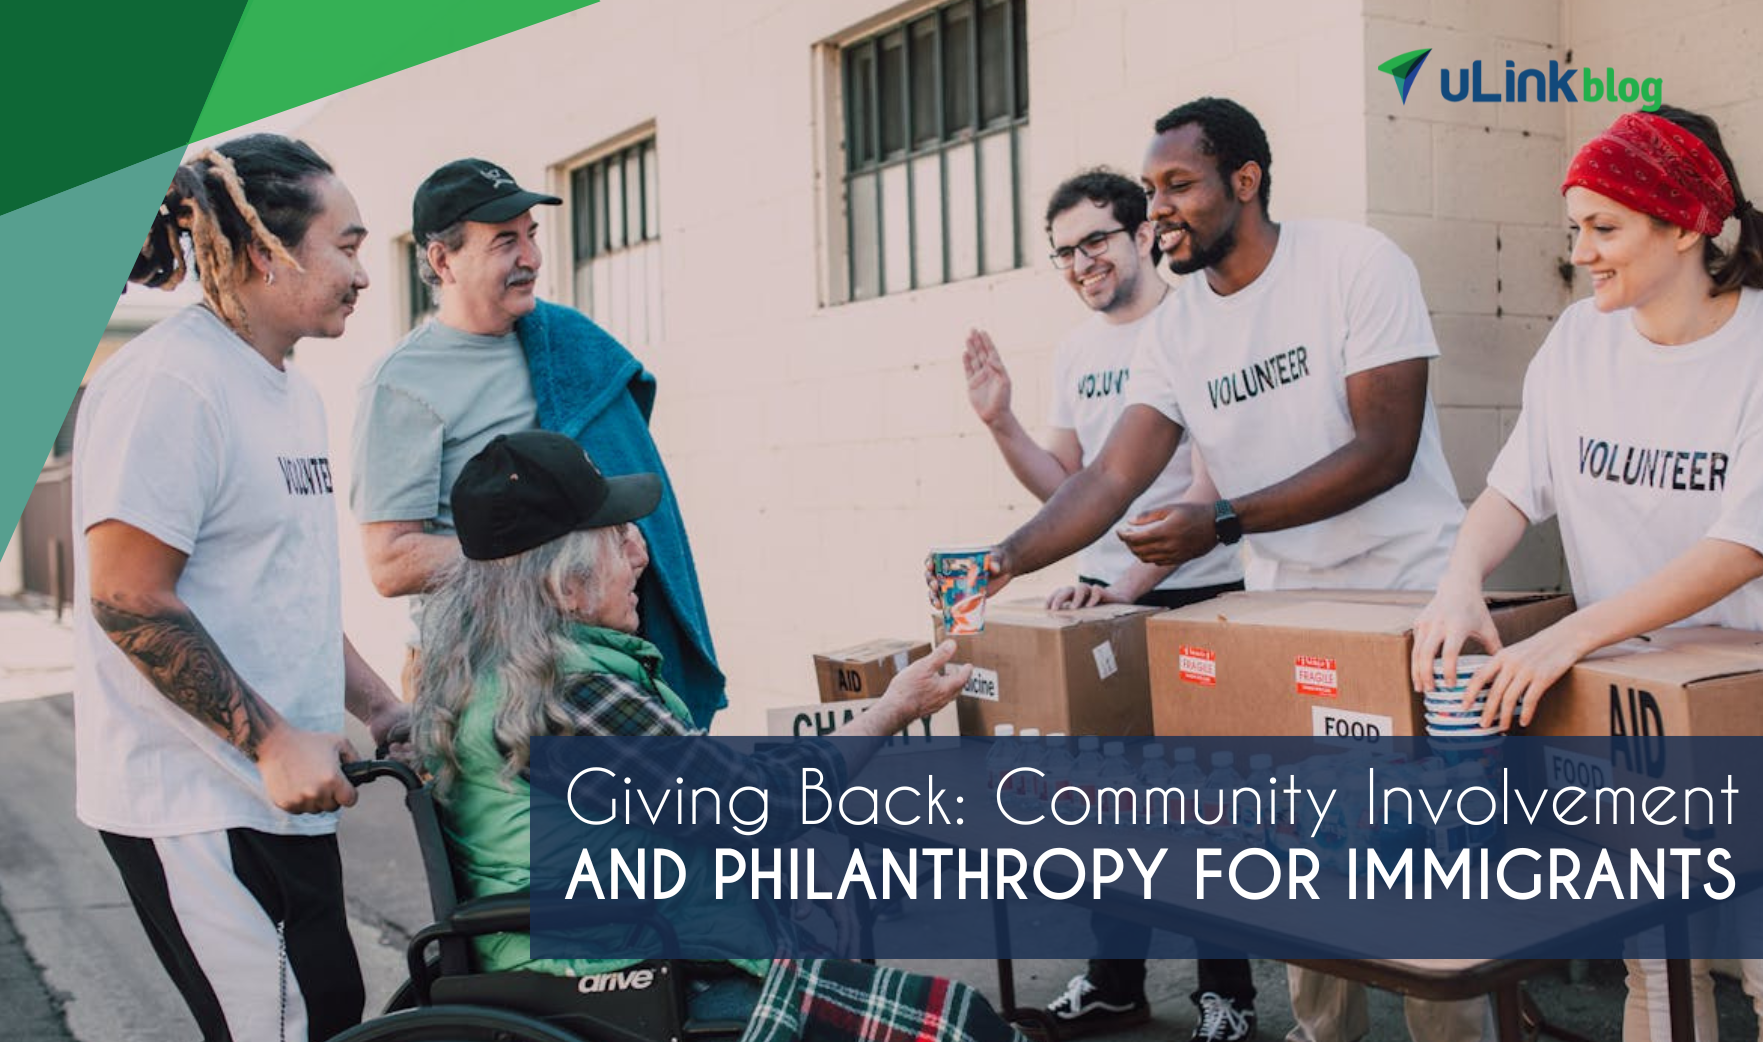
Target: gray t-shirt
[[427, 408]]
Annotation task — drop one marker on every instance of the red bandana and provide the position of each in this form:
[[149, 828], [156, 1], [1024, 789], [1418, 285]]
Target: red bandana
[[1651, 164]]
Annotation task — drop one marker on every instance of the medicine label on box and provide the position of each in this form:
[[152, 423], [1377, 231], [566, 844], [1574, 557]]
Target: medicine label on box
[[983, 684]]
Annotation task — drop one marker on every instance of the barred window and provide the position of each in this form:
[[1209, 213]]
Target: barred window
[[419, 297], [936, 125], [615, 210]]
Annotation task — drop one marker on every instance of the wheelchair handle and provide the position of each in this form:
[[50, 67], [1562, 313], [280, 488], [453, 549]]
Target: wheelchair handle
[[363, 771]]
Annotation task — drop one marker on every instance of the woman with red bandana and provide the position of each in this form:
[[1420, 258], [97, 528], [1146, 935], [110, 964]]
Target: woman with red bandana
[[1642, 431]]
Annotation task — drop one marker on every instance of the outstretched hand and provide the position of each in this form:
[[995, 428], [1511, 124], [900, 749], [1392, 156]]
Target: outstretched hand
[[1173, 535], [988, 382]]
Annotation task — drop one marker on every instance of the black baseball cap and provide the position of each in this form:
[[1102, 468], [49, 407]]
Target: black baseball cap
[[525, 489], [470, 190]]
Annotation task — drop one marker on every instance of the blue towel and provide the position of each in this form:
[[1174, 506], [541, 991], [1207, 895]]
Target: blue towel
[[591, 389]]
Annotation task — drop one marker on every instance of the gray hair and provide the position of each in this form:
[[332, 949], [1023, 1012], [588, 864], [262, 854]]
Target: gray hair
[[451, 238], [502, 621]]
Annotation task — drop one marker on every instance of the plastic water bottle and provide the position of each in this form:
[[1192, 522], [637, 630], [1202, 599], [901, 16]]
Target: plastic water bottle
[[1117, 773], [1001, 757], [1397, 829], [1030, 787], [1446, 836], [1086, 773], [1184, 774], [1153, 774], [1260, 831], [1057, 765], [1464, 776], [1215, 796], [1325, 835], [1356, 809]]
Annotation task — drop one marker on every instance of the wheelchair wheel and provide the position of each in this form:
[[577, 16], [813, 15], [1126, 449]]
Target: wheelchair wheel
[[405, 996], [456, 1024]]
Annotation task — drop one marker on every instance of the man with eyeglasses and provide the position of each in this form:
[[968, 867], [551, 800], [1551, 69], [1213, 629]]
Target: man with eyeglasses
[[1103, 247]]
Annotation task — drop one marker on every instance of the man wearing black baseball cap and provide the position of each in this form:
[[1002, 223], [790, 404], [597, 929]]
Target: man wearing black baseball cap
[[496, 360]]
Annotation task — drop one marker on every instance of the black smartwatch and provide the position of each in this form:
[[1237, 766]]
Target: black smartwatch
[[1225, 523]]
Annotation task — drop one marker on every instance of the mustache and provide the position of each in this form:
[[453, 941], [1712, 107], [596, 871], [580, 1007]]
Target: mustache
[[520, 277]]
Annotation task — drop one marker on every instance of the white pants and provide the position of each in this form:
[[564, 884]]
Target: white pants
[[1646, 1016], [1332, 1009]]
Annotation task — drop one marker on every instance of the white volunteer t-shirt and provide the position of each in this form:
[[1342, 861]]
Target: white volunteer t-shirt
[[1259, 381], [190, 436], [1643, 450], [1091, 369]]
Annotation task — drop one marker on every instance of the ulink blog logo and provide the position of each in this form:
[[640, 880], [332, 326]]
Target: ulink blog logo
[[1556, 83]]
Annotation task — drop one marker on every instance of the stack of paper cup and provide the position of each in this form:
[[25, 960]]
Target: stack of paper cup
[[1455, 734], [1445, 713]]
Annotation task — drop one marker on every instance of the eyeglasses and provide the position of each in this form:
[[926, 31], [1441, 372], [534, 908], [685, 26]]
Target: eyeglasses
[[1093, 245]]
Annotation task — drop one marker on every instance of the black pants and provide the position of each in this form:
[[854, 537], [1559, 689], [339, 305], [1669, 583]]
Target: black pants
[[1221, 970], [262, 927], [1174, 598]]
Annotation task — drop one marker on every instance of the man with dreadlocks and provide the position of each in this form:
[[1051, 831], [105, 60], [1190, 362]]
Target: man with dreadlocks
[[211, 669], [497, 360]]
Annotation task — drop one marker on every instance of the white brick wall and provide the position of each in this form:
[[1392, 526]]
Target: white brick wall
[[1466, 189], [841, 435]]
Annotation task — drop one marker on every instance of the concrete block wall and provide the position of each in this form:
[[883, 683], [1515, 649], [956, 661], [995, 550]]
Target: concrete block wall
[[1469, 191], [820, 450]]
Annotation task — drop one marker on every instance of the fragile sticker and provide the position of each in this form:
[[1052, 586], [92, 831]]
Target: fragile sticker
[[1317, 676], [983, 684], [1199, 666], [1104, 656]]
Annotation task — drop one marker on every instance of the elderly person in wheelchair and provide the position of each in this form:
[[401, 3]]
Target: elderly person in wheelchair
[[533, 634]]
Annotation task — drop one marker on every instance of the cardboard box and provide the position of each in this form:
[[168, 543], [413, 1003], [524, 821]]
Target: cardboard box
[[864, 670], [1699, 682], [1687, 682], [1332, 664], [1071, 672]]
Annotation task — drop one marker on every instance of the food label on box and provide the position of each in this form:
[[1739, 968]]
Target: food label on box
[[1199, 666], [1105, 664], [983, 684], [1563, 767], [1345, 727], [1317, 676]]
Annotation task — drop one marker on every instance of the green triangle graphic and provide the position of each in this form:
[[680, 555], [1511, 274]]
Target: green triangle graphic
[[1400, 64], [1403, 68]]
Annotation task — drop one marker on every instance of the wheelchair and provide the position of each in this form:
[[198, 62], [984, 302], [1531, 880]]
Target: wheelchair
[[448, 999]]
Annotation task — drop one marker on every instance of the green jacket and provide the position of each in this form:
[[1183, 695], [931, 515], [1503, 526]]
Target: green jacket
[[486, 820]]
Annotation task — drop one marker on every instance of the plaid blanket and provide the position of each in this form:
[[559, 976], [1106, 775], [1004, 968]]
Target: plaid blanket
[[830, 1000]]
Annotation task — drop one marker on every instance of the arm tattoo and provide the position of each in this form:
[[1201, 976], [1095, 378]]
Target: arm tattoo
[[187, 667]]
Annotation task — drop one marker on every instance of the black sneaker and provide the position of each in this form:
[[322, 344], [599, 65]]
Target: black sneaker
[[1084, 1009], [1222, 1021]]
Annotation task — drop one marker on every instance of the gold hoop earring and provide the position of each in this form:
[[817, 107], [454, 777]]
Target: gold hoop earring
[[269, 278]]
